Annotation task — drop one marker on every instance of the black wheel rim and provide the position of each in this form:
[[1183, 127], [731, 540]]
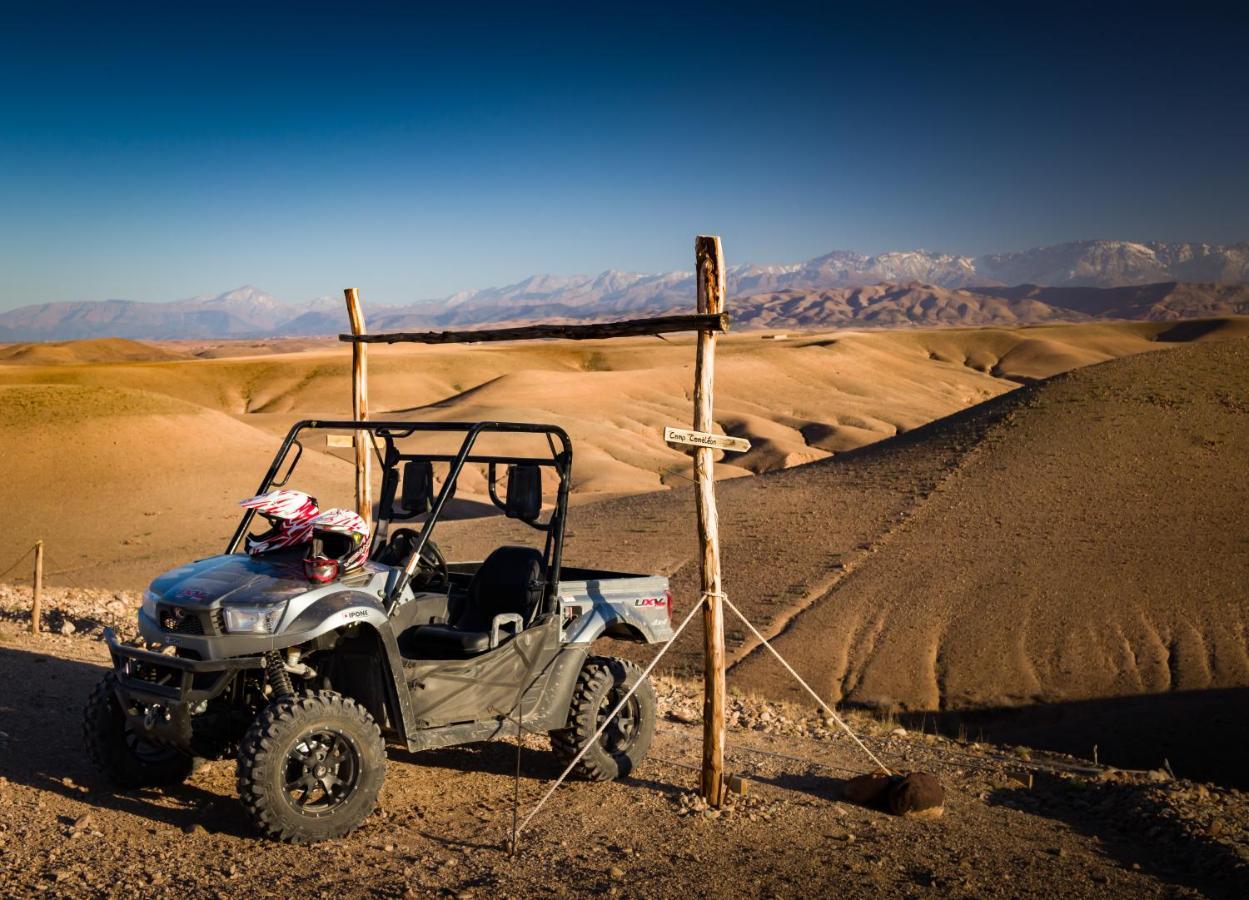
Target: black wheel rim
[[322, 771], [619, 736]]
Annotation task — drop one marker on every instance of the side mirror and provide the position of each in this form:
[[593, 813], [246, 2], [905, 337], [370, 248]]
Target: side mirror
[[524, 493], [416, 495]]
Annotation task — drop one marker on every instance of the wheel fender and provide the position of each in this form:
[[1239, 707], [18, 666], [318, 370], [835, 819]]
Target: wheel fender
[[624, 623], [331, 612], [336, 611]]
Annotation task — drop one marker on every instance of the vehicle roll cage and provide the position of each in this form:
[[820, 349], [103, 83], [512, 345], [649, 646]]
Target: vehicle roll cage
[[560, 460]]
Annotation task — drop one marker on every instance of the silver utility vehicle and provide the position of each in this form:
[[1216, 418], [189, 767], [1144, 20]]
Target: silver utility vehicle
[[305, 682]]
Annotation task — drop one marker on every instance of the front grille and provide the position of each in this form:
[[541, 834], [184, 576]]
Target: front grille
[[178, 620]]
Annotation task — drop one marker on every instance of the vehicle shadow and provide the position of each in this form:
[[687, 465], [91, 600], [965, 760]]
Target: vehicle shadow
[[537, 765], [41, 747], [489, 757]]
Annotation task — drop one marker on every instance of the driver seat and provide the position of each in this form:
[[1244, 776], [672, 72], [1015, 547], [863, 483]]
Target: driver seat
[[511, 580]]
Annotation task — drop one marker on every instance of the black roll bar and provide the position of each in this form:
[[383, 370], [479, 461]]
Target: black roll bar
[[561, 461]]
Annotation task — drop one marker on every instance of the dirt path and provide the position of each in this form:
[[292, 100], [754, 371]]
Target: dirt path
[[444, 817]]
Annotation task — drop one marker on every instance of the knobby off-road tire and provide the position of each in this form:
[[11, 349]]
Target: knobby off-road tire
[[604, 680], [310, 767], [124, 757]]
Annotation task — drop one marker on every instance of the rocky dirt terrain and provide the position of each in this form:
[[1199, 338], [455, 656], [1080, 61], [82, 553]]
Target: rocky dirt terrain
[[1060, 568], [1016, 823]]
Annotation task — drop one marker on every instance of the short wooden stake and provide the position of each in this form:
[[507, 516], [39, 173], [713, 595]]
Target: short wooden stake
[[36, 605], [709, 273], [360, 407]]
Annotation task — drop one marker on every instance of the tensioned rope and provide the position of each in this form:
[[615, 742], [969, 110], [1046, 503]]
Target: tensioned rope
[[818, 699], [516, 831], [607, 721], [18, 560]]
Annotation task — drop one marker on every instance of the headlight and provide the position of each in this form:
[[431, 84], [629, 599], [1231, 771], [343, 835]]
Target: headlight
[[150, 599], [250, 619]]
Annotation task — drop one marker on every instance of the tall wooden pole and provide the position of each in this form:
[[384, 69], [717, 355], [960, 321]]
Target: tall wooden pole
[[709, 273], [36, 603], [360, 407]]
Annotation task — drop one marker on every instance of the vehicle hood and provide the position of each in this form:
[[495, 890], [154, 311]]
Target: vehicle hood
[[233, 579]]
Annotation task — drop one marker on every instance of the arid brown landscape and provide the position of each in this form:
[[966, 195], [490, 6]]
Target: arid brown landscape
[[1031, 536]]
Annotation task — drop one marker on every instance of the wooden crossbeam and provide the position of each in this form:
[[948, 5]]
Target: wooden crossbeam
[[710, 322]]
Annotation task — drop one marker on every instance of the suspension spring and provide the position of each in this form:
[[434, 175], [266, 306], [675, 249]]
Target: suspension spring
[[279, 678]]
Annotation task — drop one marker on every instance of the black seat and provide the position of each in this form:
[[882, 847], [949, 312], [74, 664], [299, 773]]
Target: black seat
[[510, 580]]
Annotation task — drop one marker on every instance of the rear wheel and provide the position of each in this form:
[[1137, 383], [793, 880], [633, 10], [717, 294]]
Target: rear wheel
[[311, 767], [120, 752], [603, 683]]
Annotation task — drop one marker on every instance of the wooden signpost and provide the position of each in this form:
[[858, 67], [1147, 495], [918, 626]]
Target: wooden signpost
[[709, 320], [709, 276], [703, 439]]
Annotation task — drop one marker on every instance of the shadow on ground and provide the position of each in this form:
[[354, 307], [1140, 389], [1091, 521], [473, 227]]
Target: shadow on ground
[[1134, 825], [1202, 735], [41, 747], [41, 735]]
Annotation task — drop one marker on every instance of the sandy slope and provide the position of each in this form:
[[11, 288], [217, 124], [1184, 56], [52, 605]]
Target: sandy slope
[[1078, 538], [1084, 537], [97, 350], [120, 482], [798, 400], [1089, 542]]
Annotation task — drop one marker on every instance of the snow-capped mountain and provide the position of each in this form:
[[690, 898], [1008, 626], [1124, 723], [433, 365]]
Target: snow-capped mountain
[[251, 312], [1118, 263]]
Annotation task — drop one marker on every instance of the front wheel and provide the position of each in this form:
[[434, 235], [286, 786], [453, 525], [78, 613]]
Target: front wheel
[[310, 767], [121, 753], [603, 683]]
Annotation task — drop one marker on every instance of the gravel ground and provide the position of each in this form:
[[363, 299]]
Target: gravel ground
[[1017, 823]]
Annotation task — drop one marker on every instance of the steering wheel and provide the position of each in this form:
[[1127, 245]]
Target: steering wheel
[[431, 567]]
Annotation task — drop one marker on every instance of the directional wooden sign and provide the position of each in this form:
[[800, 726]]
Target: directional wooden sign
[[704, 439]]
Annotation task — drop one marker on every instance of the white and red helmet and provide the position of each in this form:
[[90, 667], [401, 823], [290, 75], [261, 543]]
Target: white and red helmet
[[340, 535], [290, 515]]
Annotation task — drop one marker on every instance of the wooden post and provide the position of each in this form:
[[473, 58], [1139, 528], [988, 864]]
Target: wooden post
[[360, 407], [709, 274], [36, 605]]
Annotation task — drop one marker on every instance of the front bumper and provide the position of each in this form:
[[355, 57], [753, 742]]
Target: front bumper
[[158, 692]]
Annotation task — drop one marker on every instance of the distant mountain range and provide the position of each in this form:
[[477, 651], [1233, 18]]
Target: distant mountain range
[[1074, 280]]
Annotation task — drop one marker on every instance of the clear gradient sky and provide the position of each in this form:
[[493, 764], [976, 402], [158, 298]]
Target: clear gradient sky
[[158, 152]]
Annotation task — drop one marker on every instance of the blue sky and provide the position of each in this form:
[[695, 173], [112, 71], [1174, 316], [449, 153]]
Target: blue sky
[[157, 152]]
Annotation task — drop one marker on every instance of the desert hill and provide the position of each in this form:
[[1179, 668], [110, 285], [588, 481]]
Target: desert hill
[[1082, 537], [129, 445], [97, 350], [919, 531], [122, 481], [1087, 541]]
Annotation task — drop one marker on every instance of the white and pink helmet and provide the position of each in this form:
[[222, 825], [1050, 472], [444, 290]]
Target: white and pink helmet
[[340, 535], [290, 515]]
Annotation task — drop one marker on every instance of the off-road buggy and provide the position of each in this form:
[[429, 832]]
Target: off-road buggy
[[305, 682]]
